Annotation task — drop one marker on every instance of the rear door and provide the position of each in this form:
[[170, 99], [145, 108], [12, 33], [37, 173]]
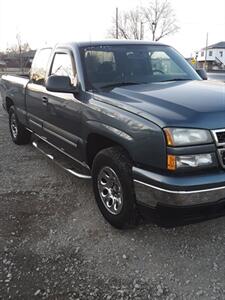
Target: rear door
[[63, 110], [35, 92]]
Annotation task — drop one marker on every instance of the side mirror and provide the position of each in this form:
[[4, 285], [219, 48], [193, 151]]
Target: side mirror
[[202, 73], [61, 84]]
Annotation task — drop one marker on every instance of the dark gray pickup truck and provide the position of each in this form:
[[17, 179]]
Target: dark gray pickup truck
[[134, 117]]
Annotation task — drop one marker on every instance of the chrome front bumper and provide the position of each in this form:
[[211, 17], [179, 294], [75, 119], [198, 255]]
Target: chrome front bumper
[[153, 195]]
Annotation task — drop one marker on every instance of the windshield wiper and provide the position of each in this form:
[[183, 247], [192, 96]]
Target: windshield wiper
[[176, 79], [118, 84]]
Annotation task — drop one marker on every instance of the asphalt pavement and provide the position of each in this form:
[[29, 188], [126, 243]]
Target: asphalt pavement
[[54, 244], [216, 76]]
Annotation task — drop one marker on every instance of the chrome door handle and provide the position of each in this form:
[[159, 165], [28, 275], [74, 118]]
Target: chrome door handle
[[44, 99]]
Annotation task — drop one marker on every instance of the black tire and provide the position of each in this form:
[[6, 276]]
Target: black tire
[[116, 160], [20, 135]]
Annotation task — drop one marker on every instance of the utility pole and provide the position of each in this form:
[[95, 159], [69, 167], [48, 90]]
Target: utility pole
[[141, 30], [196, 60], [206, 49], [153, 30], [117, 23]]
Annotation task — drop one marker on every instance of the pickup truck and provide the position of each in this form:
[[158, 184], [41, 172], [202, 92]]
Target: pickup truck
[[133, 116]]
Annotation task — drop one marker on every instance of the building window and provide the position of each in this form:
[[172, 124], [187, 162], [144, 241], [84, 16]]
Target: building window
[[221, 53], [210, 53], [202, 53]]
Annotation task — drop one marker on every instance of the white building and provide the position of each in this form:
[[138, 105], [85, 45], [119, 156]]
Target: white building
[[213, 58]]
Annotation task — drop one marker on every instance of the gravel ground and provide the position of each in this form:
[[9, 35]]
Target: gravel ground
[[54, 244]]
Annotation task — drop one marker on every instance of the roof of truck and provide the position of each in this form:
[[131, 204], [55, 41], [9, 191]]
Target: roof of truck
[[111, 42], [117, 42]]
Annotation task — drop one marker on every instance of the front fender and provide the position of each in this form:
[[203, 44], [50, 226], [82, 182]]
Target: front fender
[[143, 140], [110, 132]]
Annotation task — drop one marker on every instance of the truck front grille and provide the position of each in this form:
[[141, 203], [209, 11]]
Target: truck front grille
[[222, 156], [219, 136]]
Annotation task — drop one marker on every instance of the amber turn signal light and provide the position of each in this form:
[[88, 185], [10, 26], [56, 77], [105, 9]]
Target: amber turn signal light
[[169, 137], [171, 162]]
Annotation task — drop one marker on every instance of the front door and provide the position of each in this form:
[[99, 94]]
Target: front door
[[63, 110], [35, 93]]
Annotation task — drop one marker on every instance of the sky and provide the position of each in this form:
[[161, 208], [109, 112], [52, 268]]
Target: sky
[[46, 22]]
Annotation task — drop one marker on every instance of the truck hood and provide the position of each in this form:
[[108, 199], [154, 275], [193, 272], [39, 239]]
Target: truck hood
[[199, 104]]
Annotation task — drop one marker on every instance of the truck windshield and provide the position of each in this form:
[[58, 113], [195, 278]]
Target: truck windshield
[[109, 66]]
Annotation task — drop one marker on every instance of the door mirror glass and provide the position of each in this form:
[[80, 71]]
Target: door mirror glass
[[61, 84]]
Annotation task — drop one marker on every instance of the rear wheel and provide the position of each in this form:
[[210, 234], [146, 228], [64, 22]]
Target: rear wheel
[[113, 187], [20, 135]]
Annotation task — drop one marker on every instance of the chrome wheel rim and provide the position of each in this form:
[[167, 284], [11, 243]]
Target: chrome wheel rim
[[110, 190], [14, 127]]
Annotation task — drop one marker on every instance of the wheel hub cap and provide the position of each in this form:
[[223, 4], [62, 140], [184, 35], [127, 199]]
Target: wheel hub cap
[[110, 190], [14, 127]]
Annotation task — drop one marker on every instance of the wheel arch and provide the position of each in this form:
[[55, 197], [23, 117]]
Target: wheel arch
[[97, 141], [8, 103]]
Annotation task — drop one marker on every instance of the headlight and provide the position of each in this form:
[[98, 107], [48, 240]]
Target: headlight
[[189, 161], [186, 136]]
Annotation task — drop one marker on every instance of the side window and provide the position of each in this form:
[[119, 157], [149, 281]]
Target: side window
[[163, 64], [62, 66], [39, 66]]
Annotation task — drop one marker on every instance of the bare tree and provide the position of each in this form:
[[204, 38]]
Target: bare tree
[[18, 50], [160, 19], [128, 25], [18, 37], [19, 47], [157, 17]]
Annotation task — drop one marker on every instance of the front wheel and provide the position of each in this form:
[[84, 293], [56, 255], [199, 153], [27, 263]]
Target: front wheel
[[113, 187], [20, 135]]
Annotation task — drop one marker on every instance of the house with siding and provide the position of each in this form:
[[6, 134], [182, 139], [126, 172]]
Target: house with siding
[[212, 57]]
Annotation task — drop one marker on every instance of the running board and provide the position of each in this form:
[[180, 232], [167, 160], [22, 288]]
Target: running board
[[62, 160]]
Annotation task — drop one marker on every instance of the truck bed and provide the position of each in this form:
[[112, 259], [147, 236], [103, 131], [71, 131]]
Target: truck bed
[[14, 87]]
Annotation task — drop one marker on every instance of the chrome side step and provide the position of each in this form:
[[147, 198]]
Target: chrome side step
[[42, 138], [61, 160]]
